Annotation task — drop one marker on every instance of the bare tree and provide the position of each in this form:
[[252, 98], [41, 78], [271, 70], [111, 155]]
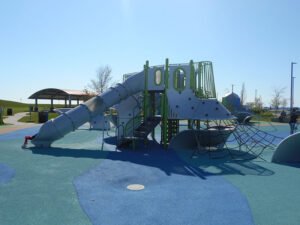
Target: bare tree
[[101, 82], [88, 93], [243, 95], [258, 103], [284, 102], [277, 97]]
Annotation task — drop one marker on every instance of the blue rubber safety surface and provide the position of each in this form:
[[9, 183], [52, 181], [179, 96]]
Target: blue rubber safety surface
[[6, 173], [175, 193], [19, 133], [80, 180]]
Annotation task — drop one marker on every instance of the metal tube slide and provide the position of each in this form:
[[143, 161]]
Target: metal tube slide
[[57, 128]]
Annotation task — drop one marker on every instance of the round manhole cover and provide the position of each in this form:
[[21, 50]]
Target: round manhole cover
[[135, 187]]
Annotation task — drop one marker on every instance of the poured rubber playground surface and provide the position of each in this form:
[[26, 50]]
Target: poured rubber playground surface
[[83, 180]]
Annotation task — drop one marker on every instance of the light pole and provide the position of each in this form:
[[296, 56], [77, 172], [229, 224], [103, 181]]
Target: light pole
[[292, 86]]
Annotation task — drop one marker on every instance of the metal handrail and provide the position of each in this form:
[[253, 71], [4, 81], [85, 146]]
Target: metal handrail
[[130, 126], [134, 118]]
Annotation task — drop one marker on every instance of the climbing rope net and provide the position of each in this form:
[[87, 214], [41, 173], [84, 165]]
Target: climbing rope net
[[239, 140]]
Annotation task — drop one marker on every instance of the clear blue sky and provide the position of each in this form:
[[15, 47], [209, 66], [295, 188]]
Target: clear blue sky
[[61, 44]]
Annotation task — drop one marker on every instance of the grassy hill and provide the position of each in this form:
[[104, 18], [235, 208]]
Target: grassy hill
[[24, 107], [15, 106]]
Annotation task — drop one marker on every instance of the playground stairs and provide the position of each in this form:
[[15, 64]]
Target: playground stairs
[[142, 131], [114, 119], [146, 127]]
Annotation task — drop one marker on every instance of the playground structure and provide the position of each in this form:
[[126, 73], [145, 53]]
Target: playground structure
[[166, 94], [170, 95]]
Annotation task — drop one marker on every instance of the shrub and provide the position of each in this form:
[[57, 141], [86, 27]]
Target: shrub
[[266, 114]]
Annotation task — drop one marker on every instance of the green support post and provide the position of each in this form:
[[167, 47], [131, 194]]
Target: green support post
[[153, 111], [146, 92], [192, 76], [165, 107], [198, 124], [190, 124], [213, 82], [200, 79]]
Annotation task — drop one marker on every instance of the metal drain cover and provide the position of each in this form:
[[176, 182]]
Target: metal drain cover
[[135, 187]]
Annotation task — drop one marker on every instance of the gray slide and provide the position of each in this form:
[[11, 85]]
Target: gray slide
[[71, 120]]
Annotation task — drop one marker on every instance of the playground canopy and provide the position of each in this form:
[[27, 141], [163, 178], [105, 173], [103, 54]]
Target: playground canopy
[[59, 94]]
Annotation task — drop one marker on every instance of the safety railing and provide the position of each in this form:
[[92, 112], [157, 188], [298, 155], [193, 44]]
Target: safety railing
[[132, 124], [203, 82]]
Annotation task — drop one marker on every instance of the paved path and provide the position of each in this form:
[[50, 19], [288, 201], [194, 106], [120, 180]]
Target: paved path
[[12, 123]]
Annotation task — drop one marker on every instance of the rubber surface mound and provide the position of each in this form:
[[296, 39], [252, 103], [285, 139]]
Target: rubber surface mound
[[174, 193]]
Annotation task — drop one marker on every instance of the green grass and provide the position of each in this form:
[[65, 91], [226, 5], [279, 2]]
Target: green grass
[[34, 117], [23, 107], [16, 106], [264, 116]]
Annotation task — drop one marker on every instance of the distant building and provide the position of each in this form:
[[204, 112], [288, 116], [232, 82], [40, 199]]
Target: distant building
[[232, 102]]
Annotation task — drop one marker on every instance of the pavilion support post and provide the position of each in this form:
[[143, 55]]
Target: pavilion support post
[[70, 101], [66, 103], [77, 101], [36, 105], [51, 108]]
